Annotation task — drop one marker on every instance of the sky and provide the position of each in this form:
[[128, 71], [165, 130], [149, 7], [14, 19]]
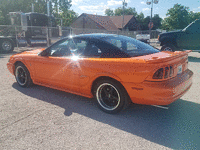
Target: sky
[[99, 6]]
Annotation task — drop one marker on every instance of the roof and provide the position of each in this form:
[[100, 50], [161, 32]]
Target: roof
[[96, 35], [110, 22], [117, 20], [104, 21]]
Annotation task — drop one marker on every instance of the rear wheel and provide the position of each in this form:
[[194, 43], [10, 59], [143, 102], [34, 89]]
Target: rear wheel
[[168, 47], [22, 75], [6, 46], [111, 97]]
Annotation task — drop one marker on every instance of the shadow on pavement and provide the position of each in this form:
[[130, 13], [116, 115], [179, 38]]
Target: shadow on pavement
[[176, 128], [193, 59]]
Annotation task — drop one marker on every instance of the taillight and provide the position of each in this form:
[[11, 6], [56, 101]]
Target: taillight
[[166, 72], [158, 74]]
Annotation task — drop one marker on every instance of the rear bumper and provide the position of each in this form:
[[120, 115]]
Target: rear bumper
[[160, 93]]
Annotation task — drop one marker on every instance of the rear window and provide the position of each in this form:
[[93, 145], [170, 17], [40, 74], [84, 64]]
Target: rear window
[[130, 45]]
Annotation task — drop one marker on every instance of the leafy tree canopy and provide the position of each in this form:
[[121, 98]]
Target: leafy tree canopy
[[127, 11], [57, 8], [109, 12], [179, 17]]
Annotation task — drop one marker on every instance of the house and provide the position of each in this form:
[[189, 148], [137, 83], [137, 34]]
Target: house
[[109, 23]]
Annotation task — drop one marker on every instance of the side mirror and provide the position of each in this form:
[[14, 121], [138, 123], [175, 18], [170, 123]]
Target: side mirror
[[44, 53]]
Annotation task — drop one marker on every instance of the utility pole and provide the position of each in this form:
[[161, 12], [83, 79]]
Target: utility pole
[[49, 22], [151, 3], [32, 6], [124, 4]]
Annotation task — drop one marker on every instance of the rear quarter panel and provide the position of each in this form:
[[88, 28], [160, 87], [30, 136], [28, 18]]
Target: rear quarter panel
[[122, 70]]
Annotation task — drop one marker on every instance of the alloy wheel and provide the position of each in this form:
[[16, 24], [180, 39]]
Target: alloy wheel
[[108, 96], [21, 75]]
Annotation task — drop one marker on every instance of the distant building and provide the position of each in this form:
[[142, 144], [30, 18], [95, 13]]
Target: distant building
[[109, 23]]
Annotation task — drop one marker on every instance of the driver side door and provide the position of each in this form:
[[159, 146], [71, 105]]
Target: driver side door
[[56, 69]]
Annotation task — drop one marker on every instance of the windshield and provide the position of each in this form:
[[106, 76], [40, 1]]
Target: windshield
[[130, 46]]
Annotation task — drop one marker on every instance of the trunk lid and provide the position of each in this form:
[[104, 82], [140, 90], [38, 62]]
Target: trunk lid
[[177, 61], [162, 57]]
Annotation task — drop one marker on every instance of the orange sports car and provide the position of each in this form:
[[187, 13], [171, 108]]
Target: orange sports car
[[115, 69]]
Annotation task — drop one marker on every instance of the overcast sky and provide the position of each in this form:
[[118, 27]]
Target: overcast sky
[[99, 6]]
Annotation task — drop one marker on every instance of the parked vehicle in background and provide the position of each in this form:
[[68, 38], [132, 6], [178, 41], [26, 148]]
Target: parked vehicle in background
[[188, 38], [114, 69], [30, 27], [143, 37]]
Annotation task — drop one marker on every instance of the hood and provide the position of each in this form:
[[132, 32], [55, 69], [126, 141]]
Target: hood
[[171, 32], [33, 51]]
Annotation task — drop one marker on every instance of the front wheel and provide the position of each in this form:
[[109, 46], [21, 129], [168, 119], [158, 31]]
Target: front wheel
[[111, 97], [22, 75], [168, 47]]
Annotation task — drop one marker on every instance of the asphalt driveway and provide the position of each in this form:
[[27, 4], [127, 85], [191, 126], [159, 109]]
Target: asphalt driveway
[[44, 118]]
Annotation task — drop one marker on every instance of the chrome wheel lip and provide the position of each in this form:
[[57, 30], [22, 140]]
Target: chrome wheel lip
[[18, 77], [6, 45], [100, 99]]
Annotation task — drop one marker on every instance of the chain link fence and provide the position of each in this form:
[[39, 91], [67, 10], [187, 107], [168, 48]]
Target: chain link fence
[[154, 33], [33, 36]]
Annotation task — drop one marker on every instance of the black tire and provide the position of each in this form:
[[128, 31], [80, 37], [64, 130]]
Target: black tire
[[111, 97], [22, 75], [6, 46], [168, 47]]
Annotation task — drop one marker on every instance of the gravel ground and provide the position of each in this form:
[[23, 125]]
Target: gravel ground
[[44, 118]]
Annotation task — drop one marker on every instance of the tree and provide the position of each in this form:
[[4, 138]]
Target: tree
[[156, 22], [177, 17], [119, 11], [67, 16], [40, 6], [165, 25], [61, 10], [7, 6], [109, 12], [58, 8], [193, 16], [140, 20], [146, 22], [127, 11]]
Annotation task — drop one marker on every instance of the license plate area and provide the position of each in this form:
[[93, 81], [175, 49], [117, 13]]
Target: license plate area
[[179, 69]]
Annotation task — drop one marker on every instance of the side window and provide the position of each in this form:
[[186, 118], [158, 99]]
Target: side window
[[92, 50], [115, 42], [60, 49], [81, 44], [131, 46]]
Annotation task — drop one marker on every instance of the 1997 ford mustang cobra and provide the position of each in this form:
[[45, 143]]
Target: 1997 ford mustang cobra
[[114, 69]]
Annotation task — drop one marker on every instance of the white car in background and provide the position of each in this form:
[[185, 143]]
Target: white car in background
[[143, 37]]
